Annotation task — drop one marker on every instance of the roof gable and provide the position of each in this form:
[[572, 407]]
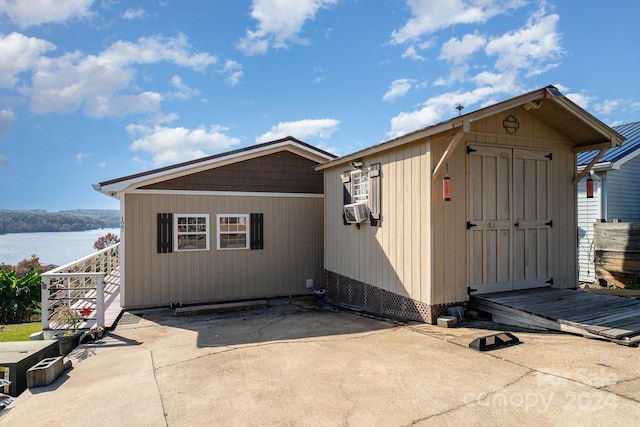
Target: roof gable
[[167, 173], [548, 104]]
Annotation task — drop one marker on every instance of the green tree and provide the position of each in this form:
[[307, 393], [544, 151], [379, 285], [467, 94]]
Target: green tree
[[19, 296], [105, 241]]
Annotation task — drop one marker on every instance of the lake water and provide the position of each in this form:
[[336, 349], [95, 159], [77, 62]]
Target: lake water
[[52, 248]]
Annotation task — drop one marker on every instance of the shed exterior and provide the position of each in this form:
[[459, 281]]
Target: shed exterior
[[257, 230], [616, 193], [510, 223]]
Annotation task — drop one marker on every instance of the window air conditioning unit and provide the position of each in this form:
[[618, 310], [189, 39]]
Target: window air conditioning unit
[[356, 213]]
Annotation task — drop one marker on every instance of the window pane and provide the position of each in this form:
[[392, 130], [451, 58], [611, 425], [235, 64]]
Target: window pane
[[233, 240], [360, 181], [191, 232], [232, 232]]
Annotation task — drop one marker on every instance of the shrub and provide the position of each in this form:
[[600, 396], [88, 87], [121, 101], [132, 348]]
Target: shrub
[[19, 296]]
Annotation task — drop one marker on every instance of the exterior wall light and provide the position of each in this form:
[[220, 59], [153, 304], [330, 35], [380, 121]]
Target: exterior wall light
[[357, 164], [589, 188]]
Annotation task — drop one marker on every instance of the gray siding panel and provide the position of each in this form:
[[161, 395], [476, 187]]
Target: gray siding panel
[[624, 192]]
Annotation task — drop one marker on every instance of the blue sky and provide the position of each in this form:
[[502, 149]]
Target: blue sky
[[92, 90]]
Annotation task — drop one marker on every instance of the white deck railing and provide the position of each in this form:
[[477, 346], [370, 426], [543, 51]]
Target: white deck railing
[[79, 285]]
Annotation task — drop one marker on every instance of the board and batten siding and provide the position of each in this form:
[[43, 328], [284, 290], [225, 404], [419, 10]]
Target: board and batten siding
[[533, 133], [420, 249], [393, 256], [293, 247]]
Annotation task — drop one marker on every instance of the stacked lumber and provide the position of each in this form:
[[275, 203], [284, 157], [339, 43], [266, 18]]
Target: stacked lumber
[[617, 253]]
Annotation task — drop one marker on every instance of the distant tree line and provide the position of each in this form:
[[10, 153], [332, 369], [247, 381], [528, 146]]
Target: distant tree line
[[33, 221]]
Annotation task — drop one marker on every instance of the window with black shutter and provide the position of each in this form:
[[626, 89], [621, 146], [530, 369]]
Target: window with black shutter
[[346, 193], [375, 204], [165, 233], [257, 231]]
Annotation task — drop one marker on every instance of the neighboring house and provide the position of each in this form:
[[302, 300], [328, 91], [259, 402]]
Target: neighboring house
[[238, 225], [394, 246], [616, 194]]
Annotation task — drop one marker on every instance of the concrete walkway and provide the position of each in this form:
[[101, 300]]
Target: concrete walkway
[[303, 364]]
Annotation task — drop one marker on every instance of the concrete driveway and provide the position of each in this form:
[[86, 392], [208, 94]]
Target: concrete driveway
[[298, 363]]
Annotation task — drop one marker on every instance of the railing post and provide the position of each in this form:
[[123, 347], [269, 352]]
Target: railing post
[[44, 302], [100, 301], [66, 295]]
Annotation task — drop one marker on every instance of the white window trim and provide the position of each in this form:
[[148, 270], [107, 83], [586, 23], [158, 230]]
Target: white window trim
[[176, 233], [360, 173], [247, 240]]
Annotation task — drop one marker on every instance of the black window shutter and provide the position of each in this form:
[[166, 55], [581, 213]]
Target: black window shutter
[[375, 204], [346, 193], [257, 231], [165, 233]]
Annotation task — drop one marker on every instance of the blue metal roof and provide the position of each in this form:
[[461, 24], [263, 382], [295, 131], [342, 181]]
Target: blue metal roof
[[631, 131]]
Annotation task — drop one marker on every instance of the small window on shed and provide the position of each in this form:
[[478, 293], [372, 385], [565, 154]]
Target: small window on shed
[[360, 186]]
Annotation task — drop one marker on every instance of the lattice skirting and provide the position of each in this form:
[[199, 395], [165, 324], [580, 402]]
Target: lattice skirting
[[347, 292]]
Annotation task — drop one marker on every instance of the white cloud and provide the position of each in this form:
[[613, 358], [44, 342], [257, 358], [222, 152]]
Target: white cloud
[[233, 71], [98, 84], [122, 105], [428, 16], [398, 88], [457, 51], [279, 23], [184, 91], [582, 99], [171, 145], [19, 53], [36, 12], [443, 106], [4, 162], [411, 53], [137, 13], [7, 120], [530, 50], [81, 157], [607, 106], [301, 129], [528, 47]]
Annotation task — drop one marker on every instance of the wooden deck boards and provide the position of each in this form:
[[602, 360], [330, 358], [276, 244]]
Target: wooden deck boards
[[590, 314]]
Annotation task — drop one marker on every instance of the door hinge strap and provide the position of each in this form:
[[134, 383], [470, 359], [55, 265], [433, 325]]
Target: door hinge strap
[[470, 150], [549, 156], [550, 281], [550, 223], [469, 225]]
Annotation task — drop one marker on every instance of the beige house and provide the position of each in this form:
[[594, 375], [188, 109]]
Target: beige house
[[238, 225], [484, 202]]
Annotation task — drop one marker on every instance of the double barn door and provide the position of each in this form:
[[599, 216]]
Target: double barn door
[[509, 218]]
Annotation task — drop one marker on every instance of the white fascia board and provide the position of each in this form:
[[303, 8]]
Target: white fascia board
[[127, 185], [605, 166], [625, 159], [614, 138]]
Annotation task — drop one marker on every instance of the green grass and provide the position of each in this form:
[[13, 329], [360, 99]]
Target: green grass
[[19, 332]]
